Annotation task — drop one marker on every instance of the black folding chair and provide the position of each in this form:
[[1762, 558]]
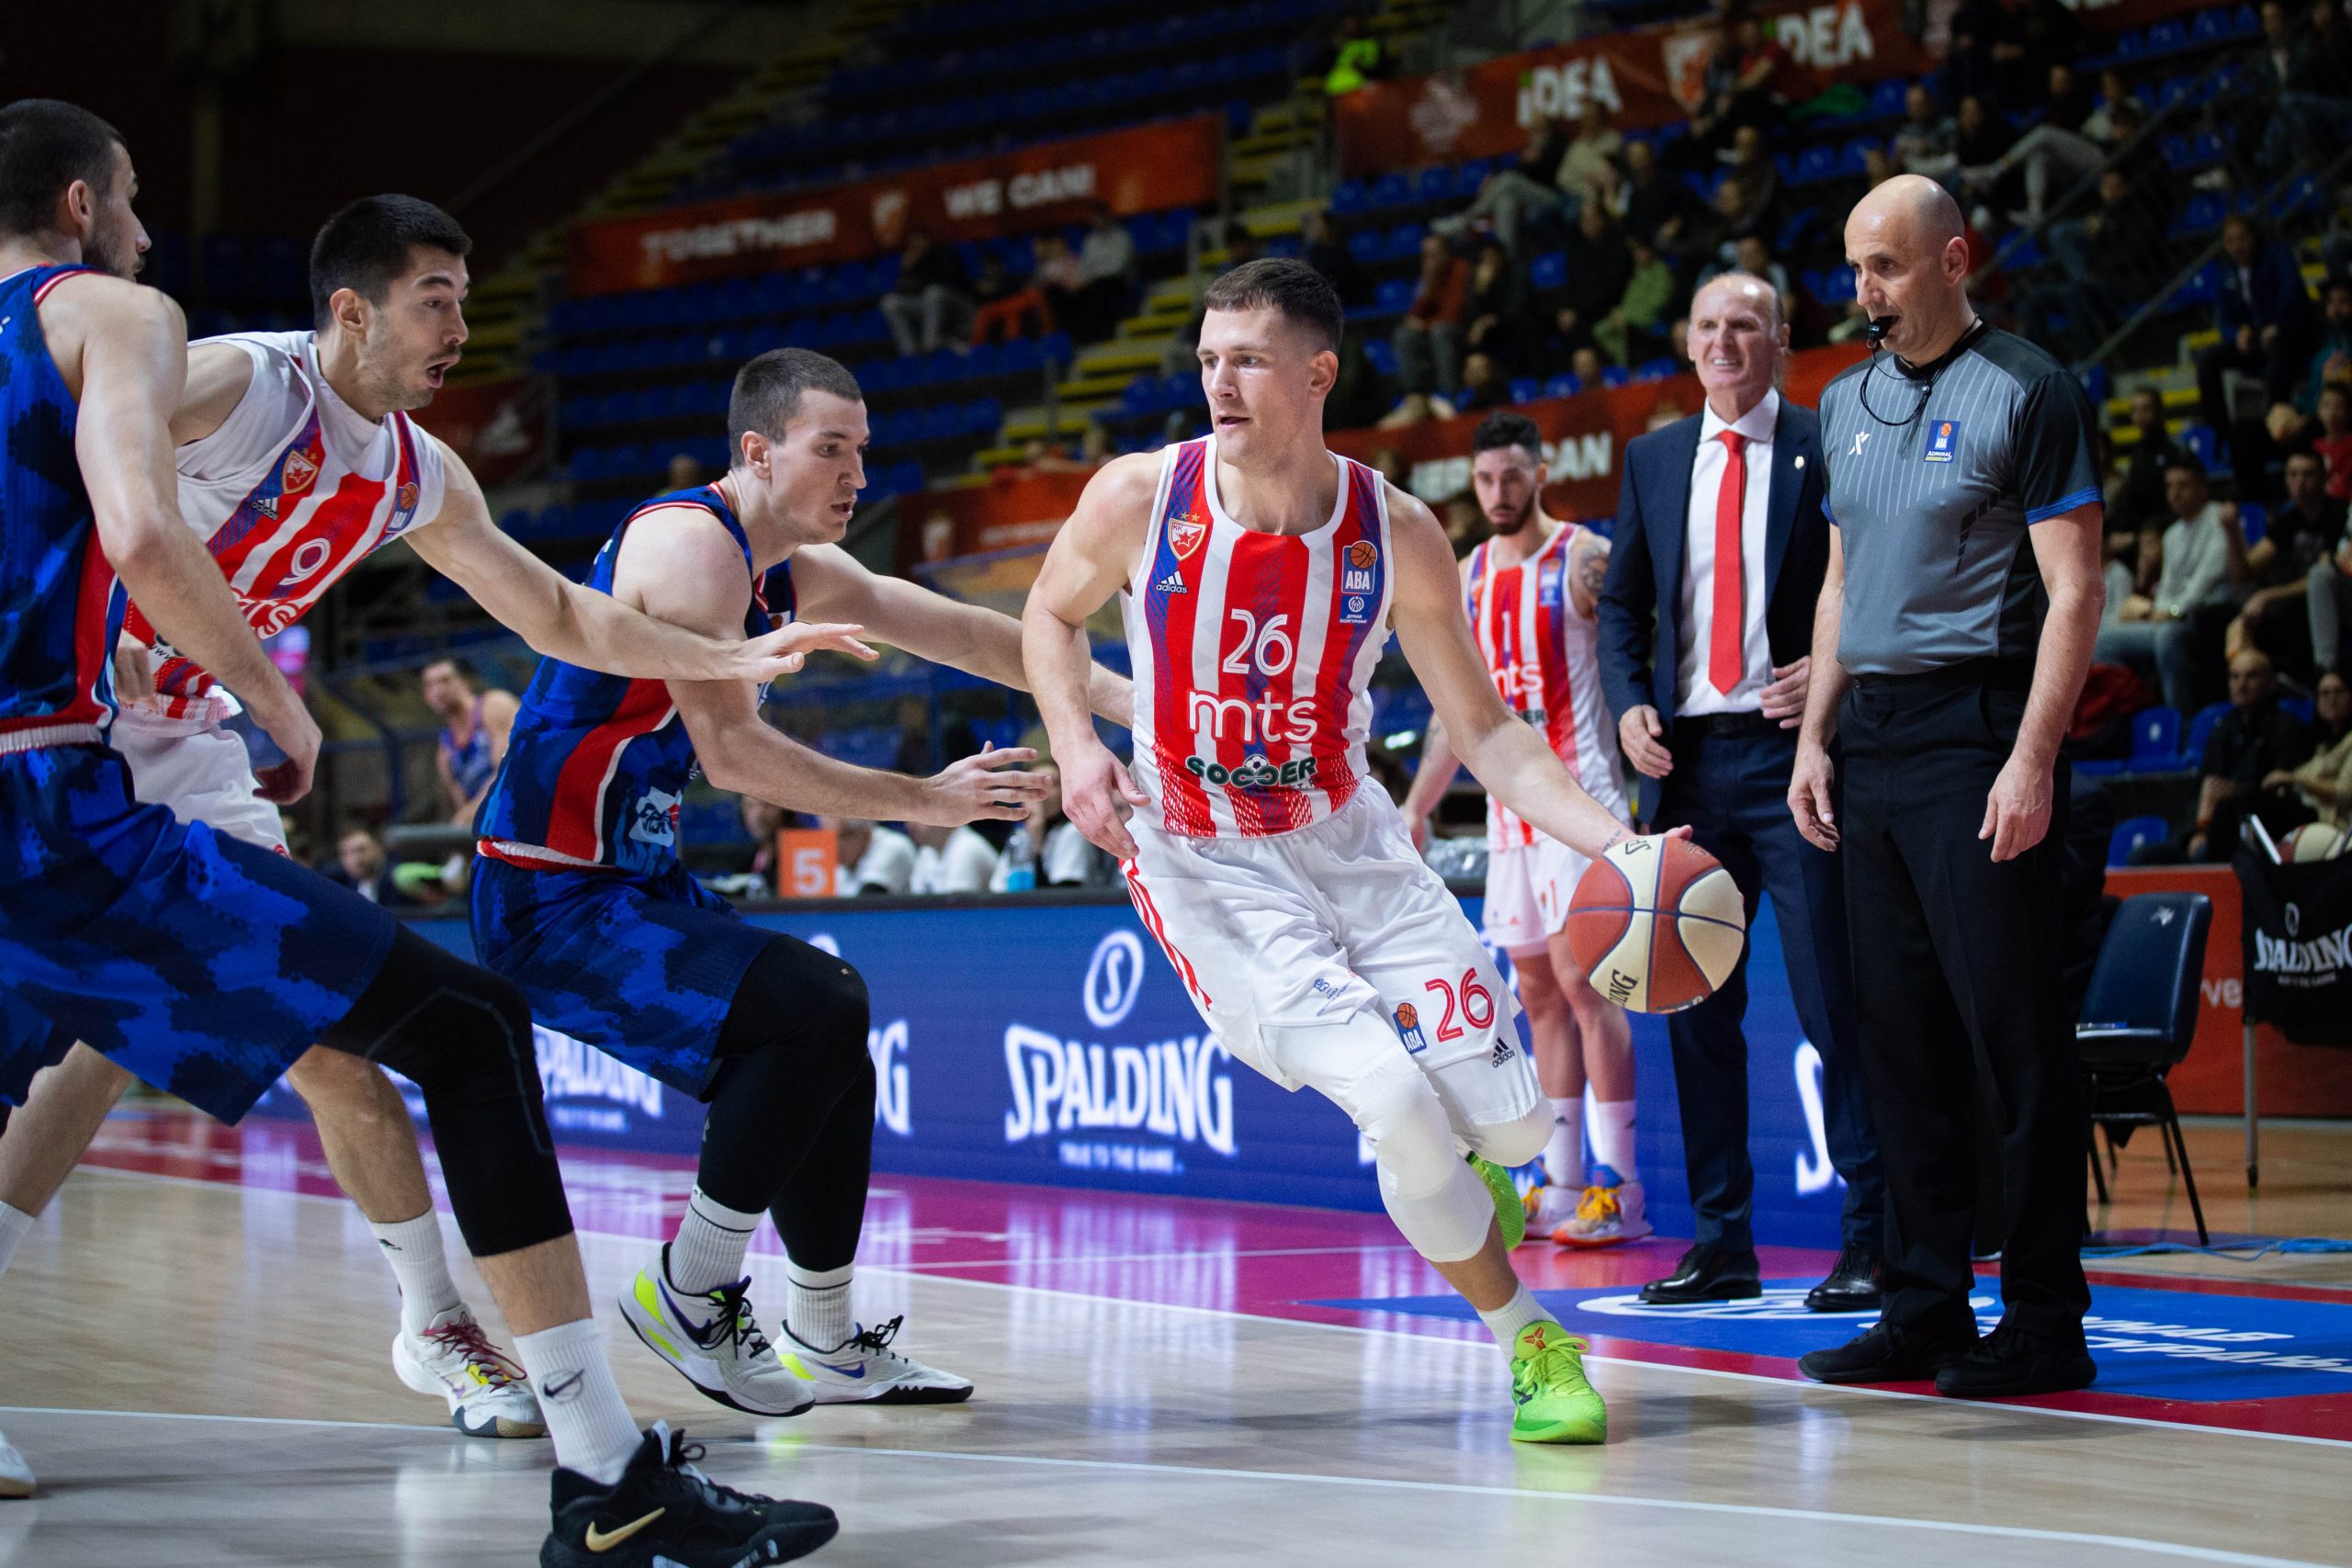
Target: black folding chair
[[2138, 1020]]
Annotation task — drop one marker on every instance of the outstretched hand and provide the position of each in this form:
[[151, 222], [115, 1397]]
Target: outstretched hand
[[784, 651], [988, 784]]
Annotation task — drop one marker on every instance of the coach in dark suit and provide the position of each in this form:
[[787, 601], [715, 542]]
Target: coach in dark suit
[[1706, 665]]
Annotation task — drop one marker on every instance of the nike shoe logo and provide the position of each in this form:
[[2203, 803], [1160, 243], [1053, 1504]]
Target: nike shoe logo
[[855, 1370], [561, 1389], [604, 1540]]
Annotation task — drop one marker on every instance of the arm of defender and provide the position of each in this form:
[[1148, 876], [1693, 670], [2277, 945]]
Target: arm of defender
[[932, 627], [2066, 549], [689, 573], [498, 711], [133, 361], [1506, 755], [563, 620], [1809, 783], [1087, 563], [1430, 781]]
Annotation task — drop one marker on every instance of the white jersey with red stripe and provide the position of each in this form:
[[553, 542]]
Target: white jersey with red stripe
[[1252, 653], [292, 491], [1545, 658]]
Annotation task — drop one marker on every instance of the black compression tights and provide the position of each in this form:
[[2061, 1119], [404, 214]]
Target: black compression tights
[[791, 1123], [463, 1036]]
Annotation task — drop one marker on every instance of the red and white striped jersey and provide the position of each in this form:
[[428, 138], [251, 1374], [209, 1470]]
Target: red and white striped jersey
[[1545, 659], [1251, 652], [294, 489]]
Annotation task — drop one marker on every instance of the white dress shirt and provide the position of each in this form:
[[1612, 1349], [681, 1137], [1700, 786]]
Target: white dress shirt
[[1694, 692]]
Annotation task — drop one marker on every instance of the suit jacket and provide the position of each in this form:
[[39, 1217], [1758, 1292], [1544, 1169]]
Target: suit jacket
[[2278, 297], [1641, 603]]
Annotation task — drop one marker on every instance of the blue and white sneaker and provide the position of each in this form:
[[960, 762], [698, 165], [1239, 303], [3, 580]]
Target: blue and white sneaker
[[714, 1340], [866, 1370]]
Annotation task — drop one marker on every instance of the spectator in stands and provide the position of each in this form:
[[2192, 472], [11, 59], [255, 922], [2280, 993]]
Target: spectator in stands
[[1482, 386], [1064, 858], [1649, 200], [1587, 365], [1599, 264], [2254, 744], [1056, 276], [1415, 408], [2313, 107], [2054, 156], [1928, 139], [1750, 80], [361, 866], [1353, 59], [1327, 253], [1753, 256], [1182, 356], [2329, 603], [1498, 308], [1878, 165], [474, 728], [1106, 276], [2265, 314], [1009, 307], [682, 473], [1093, 451], [2162, 631], [1636, 329], [2138, 498], [2301, 534], [1760, 184], [1428, 340], [1507, 197], [956, 860], [2005, 48], [2324, 780], [1389, 464], [1587, 167], [2331, 361], [2102, 266], [1980, 137], [868, 858], [930, 305], [2333, 441]]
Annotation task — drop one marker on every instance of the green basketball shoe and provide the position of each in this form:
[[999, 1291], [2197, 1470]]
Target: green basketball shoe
[[1556, 1405]]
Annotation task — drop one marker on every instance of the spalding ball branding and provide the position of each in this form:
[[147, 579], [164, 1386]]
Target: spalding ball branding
[[1658, 924]]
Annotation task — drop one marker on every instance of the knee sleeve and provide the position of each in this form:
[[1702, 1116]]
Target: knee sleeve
[[463, 1037], [1435, 1199], [793, 1059], [1515, 1142]]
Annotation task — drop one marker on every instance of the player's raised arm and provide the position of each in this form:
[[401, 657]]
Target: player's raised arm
[[563, 620], [684, 569], [933, 627], [1088, 563], [132, 362], [1506, 755]]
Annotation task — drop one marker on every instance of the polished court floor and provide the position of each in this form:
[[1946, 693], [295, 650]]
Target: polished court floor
[[194, 1363]]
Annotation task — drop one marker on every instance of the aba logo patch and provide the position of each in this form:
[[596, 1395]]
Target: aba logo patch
[[301, 467], [1943, 440], [1186, 534], [1355, 577], [1548, 585], [406, 500], [1408, 1028]]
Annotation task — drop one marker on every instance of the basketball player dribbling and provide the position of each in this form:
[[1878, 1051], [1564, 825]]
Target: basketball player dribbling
[[1260, 575], [206, 965], [295, 460], [1532, 590]]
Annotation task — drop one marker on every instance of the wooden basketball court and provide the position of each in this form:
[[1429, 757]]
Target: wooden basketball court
[[197, 1368]]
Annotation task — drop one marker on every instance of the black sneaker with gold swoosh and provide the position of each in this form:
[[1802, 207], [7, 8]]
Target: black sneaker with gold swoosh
[[664, 1513]]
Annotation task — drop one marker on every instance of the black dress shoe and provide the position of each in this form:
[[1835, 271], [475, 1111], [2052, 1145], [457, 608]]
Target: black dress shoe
[[2012, 1361], [1852, 1285], [1890, 1353], [1707, 1274]]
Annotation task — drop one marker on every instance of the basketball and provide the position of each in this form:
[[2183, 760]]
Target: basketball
[[2311, 841], [1658, 924]]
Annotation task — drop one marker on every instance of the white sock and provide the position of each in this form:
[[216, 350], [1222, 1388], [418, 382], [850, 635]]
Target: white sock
[[412, 1248], [817, 1314], [1613, 1137], [1505, 1322], [1564, 1154], [594, 1432], [707, 1252], [14, 1224]]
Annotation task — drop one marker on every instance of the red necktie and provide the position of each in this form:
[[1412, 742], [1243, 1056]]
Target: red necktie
[[1730, 620]]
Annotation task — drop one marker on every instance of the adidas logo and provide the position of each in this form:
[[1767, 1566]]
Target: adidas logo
[[1172, 583], [1504, 1052]]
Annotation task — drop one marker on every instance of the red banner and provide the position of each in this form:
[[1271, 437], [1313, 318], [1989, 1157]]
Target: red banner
[[1146, 169], [1015, 507], [1583, 436], [1649, 77], [499, 428]]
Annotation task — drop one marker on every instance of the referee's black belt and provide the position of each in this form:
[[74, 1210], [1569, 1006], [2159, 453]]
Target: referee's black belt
[[1999, 674], [1726, 724]]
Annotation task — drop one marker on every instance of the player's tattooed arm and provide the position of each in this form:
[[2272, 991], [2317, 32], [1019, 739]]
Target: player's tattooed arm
[[834, 586], [1587, 573], [580, 625]]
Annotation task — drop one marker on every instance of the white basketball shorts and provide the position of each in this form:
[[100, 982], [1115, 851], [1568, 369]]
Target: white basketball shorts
[[1528, 889], [201, 770], [1279, 939]]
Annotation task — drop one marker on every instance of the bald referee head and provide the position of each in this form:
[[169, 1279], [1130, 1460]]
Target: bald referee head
[[1955, 625]]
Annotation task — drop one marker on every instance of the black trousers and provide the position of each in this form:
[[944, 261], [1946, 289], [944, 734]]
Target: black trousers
[[1732, 791], [1957, 991]]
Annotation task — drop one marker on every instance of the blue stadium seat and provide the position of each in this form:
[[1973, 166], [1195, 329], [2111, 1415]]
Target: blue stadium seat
[[983, 416], [514, 522], [2169, 36], [1394, 296], [1526, 390], [2131, 833], [2200, 439], [2155, 741], [1404, 242], [1616, 376], [1657, 369], [1434, 185], [1549, 270], [1565, 385], [2200, 729], [2299, 709], [1351, 197], [1814, 164], [1181, 392], [2253, 518], [1391, 190], [1365, 246], [1381, 355]]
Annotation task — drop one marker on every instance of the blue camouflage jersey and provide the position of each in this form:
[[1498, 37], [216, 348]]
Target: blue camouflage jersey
[[596, 764]]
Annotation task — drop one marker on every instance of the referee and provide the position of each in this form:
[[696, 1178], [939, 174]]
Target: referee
[[1950, 645]]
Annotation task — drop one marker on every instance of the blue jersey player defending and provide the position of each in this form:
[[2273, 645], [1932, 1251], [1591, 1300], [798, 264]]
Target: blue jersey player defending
[[205, 965], [580, 900]]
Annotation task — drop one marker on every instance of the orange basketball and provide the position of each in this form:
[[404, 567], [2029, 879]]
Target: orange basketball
[[1658, 924]]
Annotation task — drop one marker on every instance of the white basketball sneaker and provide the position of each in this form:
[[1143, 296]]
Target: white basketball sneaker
[[1548, 1208], [714, 1340], [15, 1475], [488, 1396], [1610, 1213], [866, 1370]]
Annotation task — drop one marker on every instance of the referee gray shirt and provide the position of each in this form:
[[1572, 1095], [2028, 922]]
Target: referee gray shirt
[[1932, 486]]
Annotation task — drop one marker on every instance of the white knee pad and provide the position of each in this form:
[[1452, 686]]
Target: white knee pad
[[1436, 1200], [1510, 1143]]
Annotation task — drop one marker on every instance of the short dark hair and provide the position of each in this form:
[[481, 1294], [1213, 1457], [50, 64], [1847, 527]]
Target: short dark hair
[[2303, 449], [45, 145], [767, 392], [2334, 282], [1499, 430], [2182, 457], [459, 663], [364, 246], [1304, 296]]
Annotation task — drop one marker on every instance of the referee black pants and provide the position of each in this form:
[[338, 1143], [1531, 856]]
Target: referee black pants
[[1959, 1000]]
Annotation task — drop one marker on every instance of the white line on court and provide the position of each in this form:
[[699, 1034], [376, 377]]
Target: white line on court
[[1310, 1478], [1846, 1390]]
